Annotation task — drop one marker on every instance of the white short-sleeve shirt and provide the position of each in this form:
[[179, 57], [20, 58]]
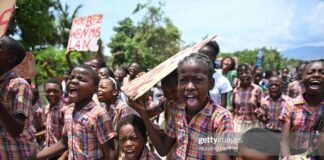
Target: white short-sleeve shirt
[[222, 85]]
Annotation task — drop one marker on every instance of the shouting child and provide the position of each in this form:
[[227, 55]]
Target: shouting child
[[87, 127], [301, 112], [195, 116]]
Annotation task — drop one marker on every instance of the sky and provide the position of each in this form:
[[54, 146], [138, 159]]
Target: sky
[[248, 24]]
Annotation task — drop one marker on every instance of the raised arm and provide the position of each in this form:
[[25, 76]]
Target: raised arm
[[99, 53], [48, 72], [68, 59], [113, 60], [162, 142]]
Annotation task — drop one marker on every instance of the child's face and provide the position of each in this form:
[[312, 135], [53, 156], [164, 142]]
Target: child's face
[[170, 91], [285, 73], [133, 70], [246, 153], [313, 78], [208, 51], [227, 63], [53, 93], [106, 91], [131, 142], [245, 76], [275, 87], [119, 75], [301, 69], [103, 73], [81, 85], [66, 76], [193, 86], [94, 65]]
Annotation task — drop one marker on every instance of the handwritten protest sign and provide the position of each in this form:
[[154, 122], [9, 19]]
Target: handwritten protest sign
[[85, 33], [27, 68], [142, 84], [6, 11]]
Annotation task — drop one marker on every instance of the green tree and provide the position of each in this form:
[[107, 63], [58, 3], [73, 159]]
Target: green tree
[[56, 60], [122, 40], [65, 20], [34, 22], [150, 42]]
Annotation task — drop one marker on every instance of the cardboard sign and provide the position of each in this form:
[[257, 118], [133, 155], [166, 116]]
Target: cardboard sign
[[6, 11], [27, 68], [142, 84], [85, 33]]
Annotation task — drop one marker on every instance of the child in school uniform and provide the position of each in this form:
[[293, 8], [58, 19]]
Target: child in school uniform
[[132, 139], [17, 140], [108, 92], [87, 127], [296, 87], [301, 112], [38, 118], [246, 99], [54, 113], [272, 105], [194, 118]]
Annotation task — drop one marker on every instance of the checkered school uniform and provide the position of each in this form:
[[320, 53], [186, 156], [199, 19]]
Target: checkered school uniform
[[212, 121], [16, 98], [301, 117], [272, 109], [245, 102], [148, 155], [86, 130], [117, 111], [38, 118], [54, 122]]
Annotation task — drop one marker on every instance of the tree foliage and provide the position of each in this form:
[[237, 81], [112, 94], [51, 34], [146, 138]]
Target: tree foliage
[[65, 20], [43, 28], [151, 41], [56, 60], [272, 59], [34, 22]]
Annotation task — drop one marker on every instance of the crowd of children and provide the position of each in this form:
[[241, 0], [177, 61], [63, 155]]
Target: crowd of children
[[195, 112]]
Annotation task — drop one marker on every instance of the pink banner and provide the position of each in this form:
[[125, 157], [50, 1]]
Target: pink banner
[[6, 11], [27, 68]]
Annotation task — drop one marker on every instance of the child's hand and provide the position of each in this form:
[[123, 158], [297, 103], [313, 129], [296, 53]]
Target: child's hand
[[69, 51], [45, 64], [260, 114], [138, 104], [258, 111]]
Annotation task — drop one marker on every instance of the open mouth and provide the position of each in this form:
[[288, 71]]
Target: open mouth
[[73, 92], [191, 100], [129, 151], [52, 99], [315, 84], [99, 95]]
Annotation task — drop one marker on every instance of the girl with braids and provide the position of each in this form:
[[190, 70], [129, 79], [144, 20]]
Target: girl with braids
[[194, 116]]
